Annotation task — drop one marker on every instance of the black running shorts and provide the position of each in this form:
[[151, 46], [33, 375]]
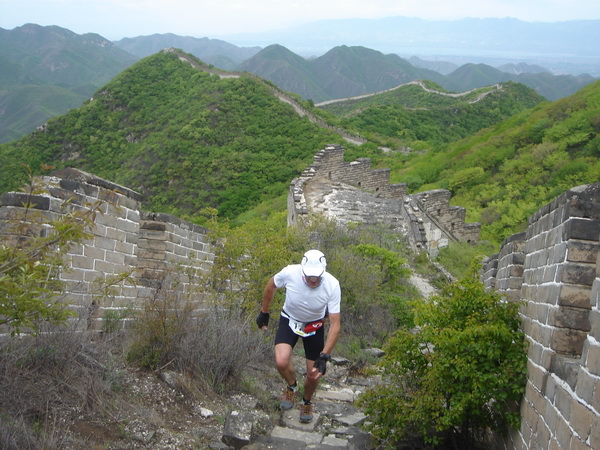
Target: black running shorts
[[313, 345]]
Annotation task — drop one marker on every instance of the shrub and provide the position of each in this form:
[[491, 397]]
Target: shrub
[[48, 381], [459, 374]]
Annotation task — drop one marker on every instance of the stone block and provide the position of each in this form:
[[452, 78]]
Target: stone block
[[567, 341], [563, 433], [73, 275], [238, 429], [584, 229], [592, 359], [115, 258], [105, 243], [567, 369], [574, 295], [578, 444], [595, 432], [82, 262], [152, 255], [104, 267], [94, 252], [586, 252], [550, 392], [152, 234], [563, 402], [585, 386], [537, 377], [568, 317], [572, 273], [149, 244], [128, 226], [581, 419]]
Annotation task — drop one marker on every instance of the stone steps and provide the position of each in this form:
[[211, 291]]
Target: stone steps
[[335, 425]]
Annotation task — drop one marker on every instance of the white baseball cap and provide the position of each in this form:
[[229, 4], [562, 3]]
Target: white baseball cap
[[313, 263]]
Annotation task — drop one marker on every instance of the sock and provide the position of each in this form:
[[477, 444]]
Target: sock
[[306, 402], [293, 387]]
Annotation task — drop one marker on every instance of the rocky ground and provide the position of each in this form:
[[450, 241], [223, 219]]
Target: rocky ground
[[168, 411]]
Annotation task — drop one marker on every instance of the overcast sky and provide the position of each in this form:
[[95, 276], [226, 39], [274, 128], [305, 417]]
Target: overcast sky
[[116, 19]]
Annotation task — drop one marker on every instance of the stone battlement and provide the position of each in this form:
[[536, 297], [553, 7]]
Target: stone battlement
[[159, 252], [354, 192]]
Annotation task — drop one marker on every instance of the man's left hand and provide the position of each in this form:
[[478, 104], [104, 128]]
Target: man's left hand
[[321, 363]]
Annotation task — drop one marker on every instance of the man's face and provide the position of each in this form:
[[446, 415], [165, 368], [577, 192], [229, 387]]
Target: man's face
[[313, 282]]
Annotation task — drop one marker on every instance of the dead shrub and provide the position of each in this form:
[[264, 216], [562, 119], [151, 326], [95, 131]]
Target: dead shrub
[[48, 380]]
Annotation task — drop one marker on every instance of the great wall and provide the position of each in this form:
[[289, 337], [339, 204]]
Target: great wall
[[553, 268]]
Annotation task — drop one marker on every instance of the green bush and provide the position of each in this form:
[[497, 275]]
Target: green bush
[[460, 374]]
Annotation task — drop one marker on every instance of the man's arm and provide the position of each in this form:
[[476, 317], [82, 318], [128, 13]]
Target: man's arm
[[268, 294], [335, 326]]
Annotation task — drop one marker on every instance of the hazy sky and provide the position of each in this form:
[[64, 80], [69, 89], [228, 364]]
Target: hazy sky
[[115, 19]]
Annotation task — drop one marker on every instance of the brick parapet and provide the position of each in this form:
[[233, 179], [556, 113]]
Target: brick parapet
[[149, 247], [560, 292]]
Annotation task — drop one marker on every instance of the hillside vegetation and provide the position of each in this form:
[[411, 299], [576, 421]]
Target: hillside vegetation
[[183, 138], [504, 173], [423, 111], [188, 140]]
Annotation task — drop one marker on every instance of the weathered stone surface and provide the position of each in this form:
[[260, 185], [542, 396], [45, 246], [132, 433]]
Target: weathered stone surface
[[238, 429]]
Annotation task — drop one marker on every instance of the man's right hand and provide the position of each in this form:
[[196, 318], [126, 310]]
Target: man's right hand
[[262, 320]]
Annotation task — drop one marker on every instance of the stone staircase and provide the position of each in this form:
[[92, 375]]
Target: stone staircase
[[336, 423]]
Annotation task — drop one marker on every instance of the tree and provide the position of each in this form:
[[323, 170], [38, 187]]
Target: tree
[[460, 374]]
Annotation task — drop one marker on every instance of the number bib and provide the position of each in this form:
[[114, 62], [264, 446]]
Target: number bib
[[304, 329], [298, 328]]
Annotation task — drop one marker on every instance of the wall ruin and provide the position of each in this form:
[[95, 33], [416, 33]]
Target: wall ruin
[[553, 268], [161, 253], [353, 192]]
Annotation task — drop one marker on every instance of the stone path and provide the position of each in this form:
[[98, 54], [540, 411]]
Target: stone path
[[336, 423]]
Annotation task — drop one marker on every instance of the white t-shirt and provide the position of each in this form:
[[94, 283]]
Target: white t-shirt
[[304, 303]]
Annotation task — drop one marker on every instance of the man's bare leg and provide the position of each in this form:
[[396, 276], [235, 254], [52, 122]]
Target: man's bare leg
[[283, 362], [312, 380]]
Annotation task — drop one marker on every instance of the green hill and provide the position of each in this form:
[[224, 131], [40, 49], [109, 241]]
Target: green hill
[[182, 137], [212, 51], [505, 173], [48, 70], [188, 139], [422, 111], [341, 72], [550, 86]]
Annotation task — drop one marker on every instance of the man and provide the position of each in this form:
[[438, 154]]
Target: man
[[312, 294]]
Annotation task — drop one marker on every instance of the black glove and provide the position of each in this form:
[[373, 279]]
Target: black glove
[[321, 363], [262, 320]]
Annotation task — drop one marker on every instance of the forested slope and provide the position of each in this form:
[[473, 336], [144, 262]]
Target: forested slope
[[183, 138], [503, 174]]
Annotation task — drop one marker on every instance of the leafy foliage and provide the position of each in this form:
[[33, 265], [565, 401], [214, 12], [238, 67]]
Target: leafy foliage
[[460, 373]]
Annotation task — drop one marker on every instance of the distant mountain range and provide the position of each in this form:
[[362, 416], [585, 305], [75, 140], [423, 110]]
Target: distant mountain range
[[563, 47], [212, 51], [45, 71], [349, 71]]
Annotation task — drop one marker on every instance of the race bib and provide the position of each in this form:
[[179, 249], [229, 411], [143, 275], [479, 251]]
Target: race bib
[[305, 329]]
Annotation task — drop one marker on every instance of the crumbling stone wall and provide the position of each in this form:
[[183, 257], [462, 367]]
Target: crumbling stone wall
[[161, 253], [327, 187], [554, 269]]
